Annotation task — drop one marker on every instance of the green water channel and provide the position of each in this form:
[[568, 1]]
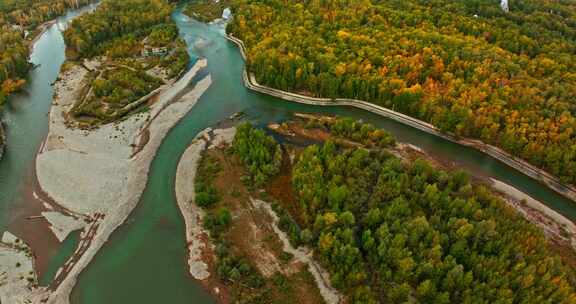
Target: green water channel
[[145, 259], [26, 116]]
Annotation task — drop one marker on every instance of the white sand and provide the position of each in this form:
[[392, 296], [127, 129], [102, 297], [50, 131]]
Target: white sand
[[192, 214], [62, 225], [96, 172], [16, 269]]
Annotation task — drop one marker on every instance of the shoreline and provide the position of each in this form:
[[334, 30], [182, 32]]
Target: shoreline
[[107, 161], [34, 230], [563, 231], [198, 245], [42, 28], [552, 182], [557, 228]]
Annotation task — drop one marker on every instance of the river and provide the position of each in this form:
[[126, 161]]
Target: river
[[26, 120], [144, 261]]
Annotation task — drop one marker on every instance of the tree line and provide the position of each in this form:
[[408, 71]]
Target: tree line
[[115, 21], [206, 10], [31, 13], [389, 231], [465, 66]]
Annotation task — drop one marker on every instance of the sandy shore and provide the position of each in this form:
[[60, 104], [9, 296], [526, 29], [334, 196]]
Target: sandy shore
[[27, 223], [568, 191], [192, 214], [17, 268], [196, 235], [106, 175]]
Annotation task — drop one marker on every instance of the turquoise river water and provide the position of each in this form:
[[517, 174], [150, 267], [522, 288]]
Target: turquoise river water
[[145, 259]]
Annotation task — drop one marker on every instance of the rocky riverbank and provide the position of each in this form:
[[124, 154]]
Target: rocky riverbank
[[197, 238], [538, 174], [185, 194], [107, 168]]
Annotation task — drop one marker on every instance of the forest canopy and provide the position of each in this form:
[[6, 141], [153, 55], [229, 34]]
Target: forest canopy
[[395, 230], [467, 67], [114, 21], [30, 13]]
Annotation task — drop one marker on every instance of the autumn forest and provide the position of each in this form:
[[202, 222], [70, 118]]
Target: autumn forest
[[465, 66]]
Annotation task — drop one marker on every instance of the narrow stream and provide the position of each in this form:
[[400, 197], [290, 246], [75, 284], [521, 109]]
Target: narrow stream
[[144, 261]]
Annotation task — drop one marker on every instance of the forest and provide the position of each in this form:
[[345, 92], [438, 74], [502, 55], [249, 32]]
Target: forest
[[467, 67], [31, 13], [259, 152], [113, 22], [13, 62], [396, 231]]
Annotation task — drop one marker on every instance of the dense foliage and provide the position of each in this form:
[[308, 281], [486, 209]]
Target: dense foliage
[[115, 21], [363, 133], [29, 13], [465, 66], [206, 193], [259, 152], [391, 231], [13, 62]]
